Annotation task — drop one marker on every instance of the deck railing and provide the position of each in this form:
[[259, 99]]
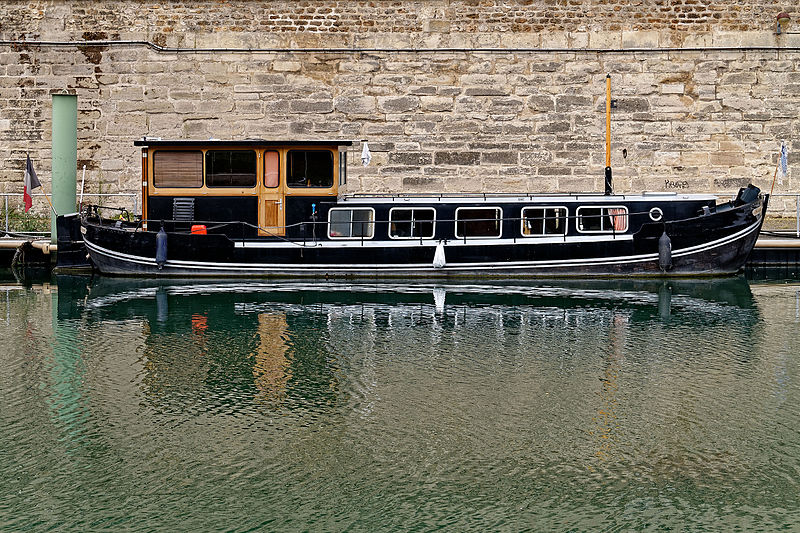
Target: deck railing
[[787, 202], [7, 195]]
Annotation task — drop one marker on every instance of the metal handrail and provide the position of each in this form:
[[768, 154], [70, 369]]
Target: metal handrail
[[6, 195], [216, 224]]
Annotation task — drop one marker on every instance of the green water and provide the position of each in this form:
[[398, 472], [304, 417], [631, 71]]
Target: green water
[[256, 406]]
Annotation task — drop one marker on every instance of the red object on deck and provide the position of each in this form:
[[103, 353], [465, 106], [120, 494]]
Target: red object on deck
[[199, 229]]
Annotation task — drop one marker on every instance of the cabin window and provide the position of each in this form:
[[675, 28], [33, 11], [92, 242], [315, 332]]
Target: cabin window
[[272, 169], [478, 222], [230, 168], [310, 168], [602, 219], [172, 168], [538, 221], [346, 223], [342, 168], [413, 223]]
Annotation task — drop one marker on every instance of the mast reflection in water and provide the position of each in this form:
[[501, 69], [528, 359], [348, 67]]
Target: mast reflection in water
[[287, 405]]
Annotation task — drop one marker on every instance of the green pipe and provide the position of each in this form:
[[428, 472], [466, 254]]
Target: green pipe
[[65, 156]]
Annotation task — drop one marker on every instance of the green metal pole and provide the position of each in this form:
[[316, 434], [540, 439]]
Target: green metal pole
[[65, 156]]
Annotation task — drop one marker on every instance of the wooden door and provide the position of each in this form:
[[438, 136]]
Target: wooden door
[[271, 206]]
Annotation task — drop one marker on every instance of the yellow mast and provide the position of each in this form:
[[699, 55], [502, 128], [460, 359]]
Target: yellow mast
[[608, 134]]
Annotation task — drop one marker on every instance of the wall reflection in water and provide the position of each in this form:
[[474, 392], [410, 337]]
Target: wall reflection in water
[[572, 405], [290, 344]]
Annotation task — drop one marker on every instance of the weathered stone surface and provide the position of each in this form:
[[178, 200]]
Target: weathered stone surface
[[500, 158], [355, 104], [457, 158], [463, 120], [310, 106], [402, 104], [410, 158]]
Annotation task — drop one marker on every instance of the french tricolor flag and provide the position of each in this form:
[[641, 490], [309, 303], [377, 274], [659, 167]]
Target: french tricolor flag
[[31, 182]]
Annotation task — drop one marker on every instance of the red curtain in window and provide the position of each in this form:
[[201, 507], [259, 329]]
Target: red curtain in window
[[620, 219]]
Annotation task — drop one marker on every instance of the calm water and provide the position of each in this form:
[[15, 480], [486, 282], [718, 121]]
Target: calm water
[[128, 405]]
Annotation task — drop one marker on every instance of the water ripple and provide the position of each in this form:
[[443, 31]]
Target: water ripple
[[300, 406]]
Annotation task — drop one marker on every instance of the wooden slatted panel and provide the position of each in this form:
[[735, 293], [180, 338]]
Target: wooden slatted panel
[[178, 168], [269, 222]]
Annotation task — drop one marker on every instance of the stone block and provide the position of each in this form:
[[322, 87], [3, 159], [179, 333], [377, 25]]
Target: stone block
[[555, 126], [402, 104], [485, 91], [739, 78], [311, 106], [410, 158], [422, 183], [640, 39], [355, 104], [436, 103], [554, 171], [457, 158], [726, 158], [666, 158], [286, 66], [500, 158], [111, 164], [605, 39], [541, 103], [673, 88], [505, 105], [571, 103]]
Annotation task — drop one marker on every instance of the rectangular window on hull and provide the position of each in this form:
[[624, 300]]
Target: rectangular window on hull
[[173, 168], [539, 221], [478, 222], [602, 219], [230, 168], [310, 168], [411, 223], [351, 223]]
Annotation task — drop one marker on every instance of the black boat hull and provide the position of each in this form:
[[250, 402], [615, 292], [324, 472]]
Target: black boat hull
[[706, 245]]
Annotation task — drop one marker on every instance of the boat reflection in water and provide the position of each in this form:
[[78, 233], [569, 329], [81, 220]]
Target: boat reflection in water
[[292, 343]]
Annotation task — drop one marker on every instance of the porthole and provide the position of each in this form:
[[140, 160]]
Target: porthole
[[656, 214]]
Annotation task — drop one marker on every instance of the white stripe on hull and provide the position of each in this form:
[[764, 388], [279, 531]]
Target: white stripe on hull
[[413, 243], [418, 268]]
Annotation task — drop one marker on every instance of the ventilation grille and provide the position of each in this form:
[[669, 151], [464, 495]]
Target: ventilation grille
[[183, 209]]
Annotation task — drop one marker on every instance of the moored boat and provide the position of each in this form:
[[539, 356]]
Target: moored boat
[[273, 208]]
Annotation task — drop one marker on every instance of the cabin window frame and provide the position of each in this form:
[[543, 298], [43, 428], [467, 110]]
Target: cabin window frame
[[499, 219], [206, 172], [342, 168], [309, 187], [603, 215], [412, 209], [263, 155], [545, 218], [370, 223], [154, 156]]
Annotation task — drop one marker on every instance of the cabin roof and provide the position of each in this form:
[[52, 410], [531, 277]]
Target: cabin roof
[[157, 141]]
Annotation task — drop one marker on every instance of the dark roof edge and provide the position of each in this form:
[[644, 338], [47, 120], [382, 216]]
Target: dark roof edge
[[150, 141]]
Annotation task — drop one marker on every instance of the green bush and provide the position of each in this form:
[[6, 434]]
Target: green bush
[[20, 221]]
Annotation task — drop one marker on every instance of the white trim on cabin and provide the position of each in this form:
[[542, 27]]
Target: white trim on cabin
[[525, 199]]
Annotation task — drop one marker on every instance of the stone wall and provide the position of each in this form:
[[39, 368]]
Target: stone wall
[[466, 95]]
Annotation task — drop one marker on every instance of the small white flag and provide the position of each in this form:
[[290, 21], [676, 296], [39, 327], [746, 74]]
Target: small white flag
[[784, 162], [366, 157]]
